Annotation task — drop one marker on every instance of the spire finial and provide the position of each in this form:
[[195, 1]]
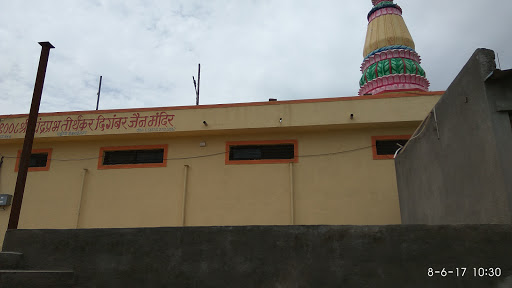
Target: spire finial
[[390, 63], [375, 2]]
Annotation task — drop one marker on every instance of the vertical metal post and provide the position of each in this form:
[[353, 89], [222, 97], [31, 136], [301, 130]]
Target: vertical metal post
[[184, 203], [198, 82], [29, 136], [80, 200], [292, 196], [99, 91], [196, 88]]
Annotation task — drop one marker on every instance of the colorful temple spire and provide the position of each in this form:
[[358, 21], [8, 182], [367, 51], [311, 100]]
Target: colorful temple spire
[[391, 64]]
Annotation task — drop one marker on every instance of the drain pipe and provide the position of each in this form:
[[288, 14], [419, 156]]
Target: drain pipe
[[184, 203], [84, 173], [292, 196]]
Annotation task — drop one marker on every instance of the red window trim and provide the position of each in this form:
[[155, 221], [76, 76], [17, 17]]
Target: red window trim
[[386, 137], [265, 161], [34, 151], [136, 147]]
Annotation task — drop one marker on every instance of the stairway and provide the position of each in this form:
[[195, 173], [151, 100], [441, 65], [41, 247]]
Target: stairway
[[13, 274]]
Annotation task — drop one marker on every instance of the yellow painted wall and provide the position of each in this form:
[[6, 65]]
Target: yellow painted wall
[[345, 188], [403, 107], [337, 188]]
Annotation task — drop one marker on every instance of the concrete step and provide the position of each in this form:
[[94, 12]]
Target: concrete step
[[10, 260], [36, 278]]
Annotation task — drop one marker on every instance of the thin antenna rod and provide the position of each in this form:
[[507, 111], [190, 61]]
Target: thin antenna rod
[[498, 55], [196, 87], [198, 82], [99, 91]]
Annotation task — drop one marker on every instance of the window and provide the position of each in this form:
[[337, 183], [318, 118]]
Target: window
[[133, 157], [261, 152], [385, 147], [39, 160]]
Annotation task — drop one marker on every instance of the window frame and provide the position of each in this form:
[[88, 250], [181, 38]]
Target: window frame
[[386, 137], [35, 151], [295, 158], [134, 147]]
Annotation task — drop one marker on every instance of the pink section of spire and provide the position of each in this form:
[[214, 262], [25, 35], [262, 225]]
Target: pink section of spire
[[394, 83], [385, 11]]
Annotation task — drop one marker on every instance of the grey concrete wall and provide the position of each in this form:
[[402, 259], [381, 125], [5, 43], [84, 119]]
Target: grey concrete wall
[[458, 169], [499, 96], [272, 256]]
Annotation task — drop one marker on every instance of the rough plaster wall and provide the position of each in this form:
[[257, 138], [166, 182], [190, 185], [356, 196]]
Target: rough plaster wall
[[499, 92], [459, 177], [272, 256]]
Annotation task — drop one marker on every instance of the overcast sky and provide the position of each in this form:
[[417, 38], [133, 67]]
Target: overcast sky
[[249, 50]]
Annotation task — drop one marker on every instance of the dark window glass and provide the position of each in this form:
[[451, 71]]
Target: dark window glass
[[261, 152], [38, 160], [389, 147], [133, 157]]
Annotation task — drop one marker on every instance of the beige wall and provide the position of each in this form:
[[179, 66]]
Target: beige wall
[[338, 188], [367, 110], [345, 188]]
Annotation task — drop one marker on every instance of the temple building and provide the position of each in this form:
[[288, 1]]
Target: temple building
[[315, 161]]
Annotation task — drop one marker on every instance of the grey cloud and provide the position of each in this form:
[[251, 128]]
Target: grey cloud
[[249, 50]]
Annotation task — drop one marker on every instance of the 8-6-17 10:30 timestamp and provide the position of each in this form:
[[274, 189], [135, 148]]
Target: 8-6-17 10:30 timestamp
[[461, 272]]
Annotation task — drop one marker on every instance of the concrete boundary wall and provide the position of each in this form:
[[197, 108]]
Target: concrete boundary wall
[[273, 256], [457, 169]]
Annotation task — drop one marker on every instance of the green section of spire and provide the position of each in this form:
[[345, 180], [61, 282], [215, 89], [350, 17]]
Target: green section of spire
[[362, 81], [390, 67], [370, 72], [383, 68], [410, 68], [397, 66], [421, 72]]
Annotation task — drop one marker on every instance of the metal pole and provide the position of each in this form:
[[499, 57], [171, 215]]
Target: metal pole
[[99, 91], [29, 136], [80, 200], [195, 88], [292, 196], [184, 203], [198, 82]]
